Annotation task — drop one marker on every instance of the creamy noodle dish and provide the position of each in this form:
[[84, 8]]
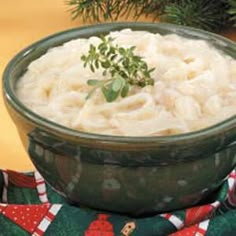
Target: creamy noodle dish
[[194, 87]]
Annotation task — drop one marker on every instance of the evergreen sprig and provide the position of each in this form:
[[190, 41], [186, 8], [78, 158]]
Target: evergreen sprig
[[122, 66], [98, 10], [210, 15], [232, 11]]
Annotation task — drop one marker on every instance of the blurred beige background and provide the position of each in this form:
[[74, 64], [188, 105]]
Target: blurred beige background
[[21, 23]]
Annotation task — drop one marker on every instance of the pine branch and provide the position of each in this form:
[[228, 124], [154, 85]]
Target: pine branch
[[98, 10], [89, 9], [205, 14], [210, 15], [152, 8], [232, 11]]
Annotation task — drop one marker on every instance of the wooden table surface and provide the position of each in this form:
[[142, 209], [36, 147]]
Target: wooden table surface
[[21, 23]]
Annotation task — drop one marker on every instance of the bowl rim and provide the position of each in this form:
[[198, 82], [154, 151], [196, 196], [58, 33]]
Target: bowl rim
[[46, 124]]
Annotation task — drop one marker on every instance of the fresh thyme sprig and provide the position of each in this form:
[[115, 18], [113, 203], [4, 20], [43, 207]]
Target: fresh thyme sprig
[[121, 69]]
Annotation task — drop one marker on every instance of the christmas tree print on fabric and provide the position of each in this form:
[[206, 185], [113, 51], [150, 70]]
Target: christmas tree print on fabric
[[35, 219]]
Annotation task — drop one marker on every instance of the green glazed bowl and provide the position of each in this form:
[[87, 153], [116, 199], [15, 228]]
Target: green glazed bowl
[[132, 175]]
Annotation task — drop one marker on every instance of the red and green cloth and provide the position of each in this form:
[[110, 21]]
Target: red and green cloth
[[28, 206]]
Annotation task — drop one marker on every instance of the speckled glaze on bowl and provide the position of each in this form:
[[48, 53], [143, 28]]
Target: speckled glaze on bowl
[[132, 175]]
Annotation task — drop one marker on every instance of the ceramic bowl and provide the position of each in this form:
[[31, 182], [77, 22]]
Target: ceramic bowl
[[132, 175]]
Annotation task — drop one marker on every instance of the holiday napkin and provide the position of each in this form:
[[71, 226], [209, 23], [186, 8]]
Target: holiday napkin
[[30, 207]]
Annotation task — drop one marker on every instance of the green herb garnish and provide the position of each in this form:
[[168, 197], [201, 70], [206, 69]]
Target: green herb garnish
[[123, 67]]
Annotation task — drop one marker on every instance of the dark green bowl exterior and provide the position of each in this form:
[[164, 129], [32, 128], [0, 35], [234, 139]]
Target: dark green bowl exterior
[[133, 175]]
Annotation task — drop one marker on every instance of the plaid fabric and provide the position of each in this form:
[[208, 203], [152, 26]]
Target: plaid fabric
[[30, 207]]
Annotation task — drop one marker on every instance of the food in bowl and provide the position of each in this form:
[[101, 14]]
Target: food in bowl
[[194, 87], [132, 175]]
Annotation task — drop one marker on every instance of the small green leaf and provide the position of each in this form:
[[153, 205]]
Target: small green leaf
[[146, 74], [137, 58], [124, 74], [101, 46], [93, 82], [92, 68], [113, 50], [117, 84], [122, 51], [125, 63], [151, 70], [83, 58], [109, 94], [113, 57], [125, 90], [102, 49], [105, 64], [92, 48], [96, 64], [132, 48]]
